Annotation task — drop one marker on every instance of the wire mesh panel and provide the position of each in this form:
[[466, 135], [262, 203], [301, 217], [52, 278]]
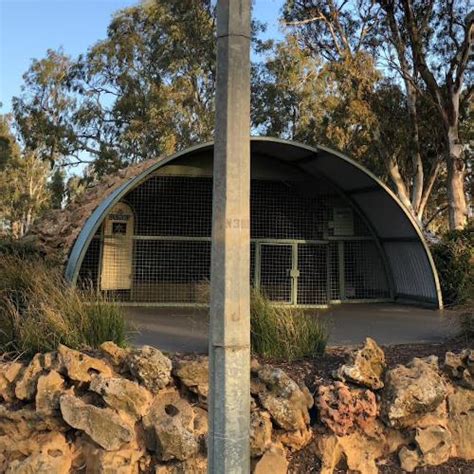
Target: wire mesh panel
[[171, 271], [312, 280], [308, 245], [364, 272], [275, 272]]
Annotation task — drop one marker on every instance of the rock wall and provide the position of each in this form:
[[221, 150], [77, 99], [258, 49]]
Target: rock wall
[[136, 410]]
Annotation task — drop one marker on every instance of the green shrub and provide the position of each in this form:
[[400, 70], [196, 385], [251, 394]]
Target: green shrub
[[39, 310], [284, 332], [24, 248], [454, 256]]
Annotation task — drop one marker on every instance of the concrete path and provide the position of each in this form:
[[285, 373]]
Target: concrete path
[[185, 329]]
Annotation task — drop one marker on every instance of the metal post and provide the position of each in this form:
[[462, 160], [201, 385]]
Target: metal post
[[229, 332]]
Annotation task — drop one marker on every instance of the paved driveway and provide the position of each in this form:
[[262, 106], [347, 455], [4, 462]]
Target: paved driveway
[[185, 329]]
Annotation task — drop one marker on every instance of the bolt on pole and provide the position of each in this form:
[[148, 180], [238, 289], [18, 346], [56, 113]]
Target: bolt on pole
[[229, 331]]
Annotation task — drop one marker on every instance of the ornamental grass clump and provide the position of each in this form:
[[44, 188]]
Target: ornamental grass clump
[[284, 332], [39, 310]]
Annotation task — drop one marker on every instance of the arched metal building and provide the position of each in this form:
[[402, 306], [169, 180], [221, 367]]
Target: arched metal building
[[323, 230]]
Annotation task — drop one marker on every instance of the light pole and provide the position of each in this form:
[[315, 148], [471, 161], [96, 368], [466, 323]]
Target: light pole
[[229, 332]]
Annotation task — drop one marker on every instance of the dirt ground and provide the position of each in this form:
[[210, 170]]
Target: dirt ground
[[317, 371]]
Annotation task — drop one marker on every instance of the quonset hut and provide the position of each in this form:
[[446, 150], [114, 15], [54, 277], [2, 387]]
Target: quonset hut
[[323, 230]]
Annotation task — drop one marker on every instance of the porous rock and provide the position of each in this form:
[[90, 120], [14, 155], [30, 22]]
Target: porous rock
[[49, 389], [26, 421], [122, 394], [102, 425], [169, 427], [287, 403], [294, 440], [9, 371], [39, 452], [25, 387], [460, 367], [273, 461], [150, 367], [343, 409], [411, 391], [80, 367], [365, 366], [461, 422], [100, 461], [115, 354], [194, 375], [260, 432]]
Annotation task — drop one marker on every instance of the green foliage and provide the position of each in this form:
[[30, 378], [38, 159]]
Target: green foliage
[[19, 248], [454, 259], [283, 332], [39, 310]]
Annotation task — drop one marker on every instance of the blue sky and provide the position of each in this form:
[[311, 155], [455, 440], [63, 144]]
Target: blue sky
[[29, 27]]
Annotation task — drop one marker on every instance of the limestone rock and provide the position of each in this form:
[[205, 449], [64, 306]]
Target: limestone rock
[[294, 440], [343, 409], [35, 447], [49, 389], [200, 428], [194, 375], [122, 394], [9, 371], [41, 463], [81, 367], [365, 367], [412, 391], [150, 367], [461, 422], [460, 367], [260, 432], [169, 427], [273, 461], [286, 402], [409, 459], [361, 452], [25, 421], [434, 443], [102, 425], [125, 461], [432, 448], [195, 465], [329, 452], [25, 387], [114, 353]]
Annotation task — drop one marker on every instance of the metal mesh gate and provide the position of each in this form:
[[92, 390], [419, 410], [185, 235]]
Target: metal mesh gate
[[308, 245]]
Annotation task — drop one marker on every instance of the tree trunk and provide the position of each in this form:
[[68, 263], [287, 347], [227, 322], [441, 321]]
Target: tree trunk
[[456, 171]]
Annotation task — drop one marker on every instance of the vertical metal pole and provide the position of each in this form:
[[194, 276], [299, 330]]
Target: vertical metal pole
[[229, 341]]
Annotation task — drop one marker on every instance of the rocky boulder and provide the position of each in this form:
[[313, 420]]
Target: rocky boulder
[[115, 354], [461, 422], [260, 432], [432, 448], [287, 403], [411, 391], [122, 394], [102, 425], [343, 409], [365, 366], [150, 367], [273, 461], [80, 367], [49, 389], [169, 427], [460, 367], [194, 375], [9, 371]]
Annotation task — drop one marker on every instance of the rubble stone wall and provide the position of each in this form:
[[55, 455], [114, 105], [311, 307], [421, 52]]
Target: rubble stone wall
[[138, 410]]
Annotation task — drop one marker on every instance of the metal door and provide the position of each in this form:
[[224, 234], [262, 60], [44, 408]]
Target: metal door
[[313, 274], [276, 268]]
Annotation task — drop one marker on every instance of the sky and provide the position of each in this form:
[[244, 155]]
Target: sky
[[29, 27]]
